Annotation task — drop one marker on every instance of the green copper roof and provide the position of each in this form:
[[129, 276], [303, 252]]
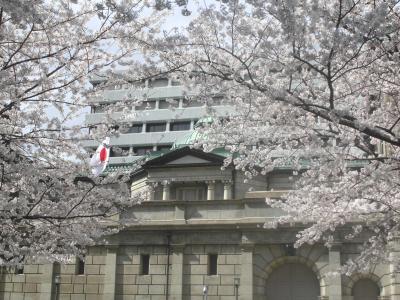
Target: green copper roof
[[304, 163], [189, 139], [128, 167], [221, 151], [193, 136], [154, 154], [120, 168], [204, 120]]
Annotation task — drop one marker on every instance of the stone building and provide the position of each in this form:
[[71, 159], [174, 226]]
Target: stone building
[[201, 236]]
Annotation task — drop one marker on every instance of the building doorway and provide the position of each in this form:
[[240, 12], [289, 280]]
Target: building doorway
[[292, 281], [366, 289]]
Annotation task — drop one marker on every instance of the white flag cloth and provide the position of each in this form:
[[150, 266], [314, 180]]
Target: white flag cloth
[[99, 160]]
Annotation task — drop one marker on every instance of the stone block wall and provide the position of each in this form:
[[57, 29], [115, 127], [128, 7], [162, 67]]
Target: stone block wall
[[21, 286], [195, 271], [130, 284], [88, 286], [115, 273], [37, 281]]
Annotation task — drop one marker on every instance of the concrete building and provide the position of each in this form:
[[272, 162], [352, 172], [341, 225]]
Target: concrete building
[[200, 236], [162, 114]]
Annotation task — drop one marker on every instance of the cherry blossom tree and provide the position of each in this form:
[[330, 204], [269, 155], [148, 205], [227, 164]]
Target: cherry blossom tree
[[315, 85], [49, 205]]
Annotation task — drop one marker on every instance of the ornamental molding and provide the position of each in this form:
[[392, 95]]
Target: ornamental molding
[[201, 178]]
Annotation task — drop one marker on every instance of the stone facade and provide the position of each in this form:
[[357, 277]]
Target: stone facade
[[130, 284], [214, 247], [23, 286]]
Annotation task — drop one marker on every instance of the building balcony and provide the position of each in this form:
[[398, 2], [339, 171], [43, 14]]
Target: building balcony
[[144, 138], [152, 115], [113, 95]]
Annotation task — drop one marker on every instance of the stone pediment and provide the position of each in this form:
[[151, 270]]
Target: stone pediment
[[185, 156], [188, 159]]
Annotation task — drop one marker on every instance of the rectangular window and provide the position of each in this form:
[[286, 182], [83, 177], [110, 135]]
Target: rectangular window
[[150, 105], [137, 84], [156, 127], [80, 266], [144, 264], [135, 128], [140, 105], [212, 264], [19, 270], [159, 82], [100, 108], [193, 103], [113, 153], [178, 126], [163, 147], [145, 105], [120, 151], [142, 150], [168, 103], [216, 101], [162, 104]]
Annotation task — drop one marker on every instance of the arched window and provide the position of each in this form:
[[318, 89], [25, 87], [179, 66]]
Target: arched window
[[292, 281], [366, 289]]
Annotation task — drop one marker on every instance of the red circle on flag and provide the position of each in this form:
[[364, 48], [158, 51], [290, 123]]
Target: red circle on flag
[[103, 154]]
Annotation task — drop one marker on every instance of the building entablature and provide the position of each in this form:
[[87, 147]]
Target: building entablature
[[200, 212]]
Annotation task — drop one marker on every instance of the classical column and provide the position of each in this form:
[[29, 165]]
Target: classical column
[[246, 277], [110, 274], [144, 128], [210, 190], [47, 282], [151, 191], [227, 190], [395, 280], [395, 274], [176, 290], [334, 288], [166, 190], [168, 126]]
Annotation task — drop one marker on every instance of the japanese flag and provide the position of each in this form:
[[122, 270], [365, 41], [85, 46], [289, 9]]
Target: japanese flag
[[99, 160]]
